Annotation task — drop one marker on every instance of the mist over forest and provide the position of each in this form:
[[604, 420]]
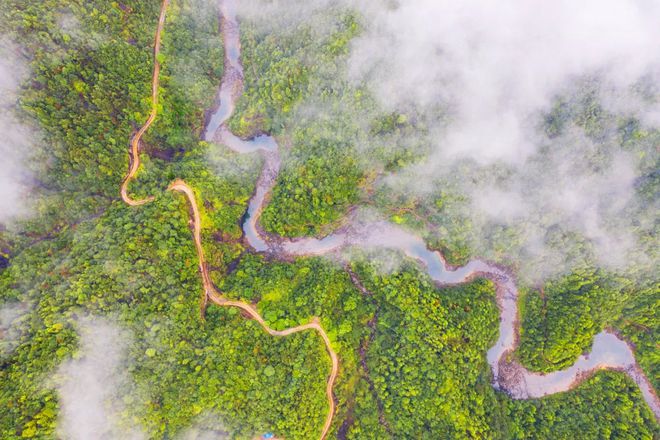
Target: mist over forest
[[536, 122], [412, 217]]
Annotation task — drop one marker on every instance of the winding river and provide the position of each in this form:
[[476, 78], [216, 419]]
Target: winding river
[[210, 292], [608, 351]]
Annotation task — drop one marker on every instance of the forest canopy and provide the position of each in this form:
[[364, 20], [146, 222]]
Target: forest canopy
[[109, 296]]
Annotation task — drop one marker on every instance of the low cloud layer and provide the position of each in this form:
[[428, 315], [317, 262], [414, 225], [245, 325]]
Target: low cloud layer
[[270, 15], [16, 140], [494, 72], [207, 427], [97, 395], [11, 325], [495, 65], [89, 385], [523, 104]]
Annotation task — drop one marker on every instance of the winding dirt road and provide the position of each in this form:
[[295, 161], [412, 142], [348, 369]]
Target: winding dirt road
[[609, 351], [134, 159], [216, 297], [211, 293]]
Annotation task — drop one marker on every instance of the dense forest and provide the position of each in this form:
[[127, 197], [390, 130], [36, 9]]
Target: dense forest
[[413, 355]]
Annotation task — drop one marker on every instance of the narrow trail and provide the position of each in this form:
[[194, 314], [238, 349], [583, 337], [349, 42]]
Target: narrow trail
[[216, 297], [609, 351], [210, 292], [134, 160]]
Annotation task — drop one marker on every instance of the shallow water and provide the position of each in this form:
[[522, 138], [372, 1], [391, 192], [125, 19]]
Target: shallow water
[[259, 143], [221, 115], [608, 350], [233, 70]]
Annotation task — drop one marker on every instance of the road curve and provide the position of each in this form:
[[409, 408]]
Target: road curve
[[216, 297], [210, 291], [134, 154], [609, 351]]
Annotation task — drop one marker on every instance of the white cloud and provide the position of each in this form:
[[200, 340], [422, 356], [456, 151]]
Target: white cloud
[[16, 140], [207, 427], [11, 315], [491, 71], [88, 386], [496, 64]]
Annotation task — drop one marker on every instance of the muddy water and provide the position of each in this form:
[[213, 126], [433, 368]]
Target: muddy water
[[265, 183], [608, 351], [233, 70]]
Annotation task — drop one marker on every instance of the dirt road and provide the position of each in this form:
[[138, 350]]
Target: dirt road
[[210, 291]]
